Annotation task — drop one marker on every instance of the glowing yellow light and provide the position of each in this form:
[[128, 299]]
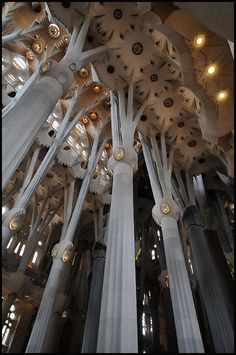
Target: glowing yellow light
[[85, 120], [199, 41], [93, 115], [119, 153], [96, 89], [83, 72], [222, 95], [211, 70], [165, 208]]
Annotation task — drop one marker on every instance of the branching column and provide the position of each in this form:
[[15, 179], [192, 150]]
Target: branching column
[[62, 253], [165, 213], [118, 316], [210, 288]]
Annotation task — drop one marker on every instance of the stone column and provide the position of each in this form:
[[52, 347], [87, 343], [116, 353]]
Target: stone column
[[118, 317], [92, 319], [166, 213], [29, 114], [62, 252], [218, 318], [188, 333]]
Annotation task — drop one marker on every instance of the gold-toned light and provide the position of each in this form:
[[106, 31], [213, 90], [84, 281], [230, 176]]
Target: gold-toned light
[[107, 145], [54, 31], [222, 95], [37, 46], [199, 41], [165, 208], [68, 95], [16, 223], [30, 55], [66, 256], [85, 120], [211, 69], [96, 89], [44, 68], [119, 153], [83, 72], [93, 115], [64, 314]]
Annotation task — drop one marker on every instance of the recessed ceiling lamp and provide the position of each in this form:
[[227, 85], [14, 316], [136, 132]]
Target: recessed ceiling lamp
[[85, 120], [211, 69], [222, 95], [199, 41], [96, 89]]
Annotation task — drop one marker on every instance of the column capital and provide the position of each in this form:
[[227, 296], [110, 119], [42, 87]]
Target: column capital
[[165, 207], [63, 250], [59, 71], [15, 218], [123, 154], [192, 217]]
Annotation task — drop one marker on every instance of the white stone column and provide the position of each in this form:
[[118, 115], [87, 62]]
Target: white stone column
[[118, 317], [165, 213], [62, 254], [23, 121]]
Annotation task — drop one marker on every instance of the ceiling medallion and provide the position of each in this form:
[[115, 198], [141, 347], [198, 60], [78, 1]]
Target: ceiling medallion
[[53, 31], [180, 124], [38, 46], [119, 153], [83, 72], [93, 115], [85, 120], [153, 77], [30, 55], [168, 102], [96, 89], [192, 143], [117, 14], [137, 48], [165, 208]]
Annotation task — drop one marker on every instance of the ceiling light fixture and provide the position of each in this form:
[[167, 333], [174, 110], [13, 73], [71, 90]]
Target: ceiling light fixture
[[199, 41]]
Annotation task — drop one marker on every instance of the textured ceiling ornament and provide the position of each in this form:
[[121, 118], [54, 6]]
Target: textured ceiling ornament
[[163, 45], [191, 100], [111, 71], [78, 169], [169, 105], [67, 155], [182, 127], [98, 185], [149, 121], [136, 51], [70, 14], [191, 150], [45, 135], [113, 20], [157, 79], [22, 16]]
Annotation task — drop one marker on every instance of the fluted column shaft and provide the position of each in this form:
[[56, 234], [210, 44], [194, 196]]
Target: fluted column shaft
[[93, 313], [118, 316], [186, 323], [218, 318], [31, 111]]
